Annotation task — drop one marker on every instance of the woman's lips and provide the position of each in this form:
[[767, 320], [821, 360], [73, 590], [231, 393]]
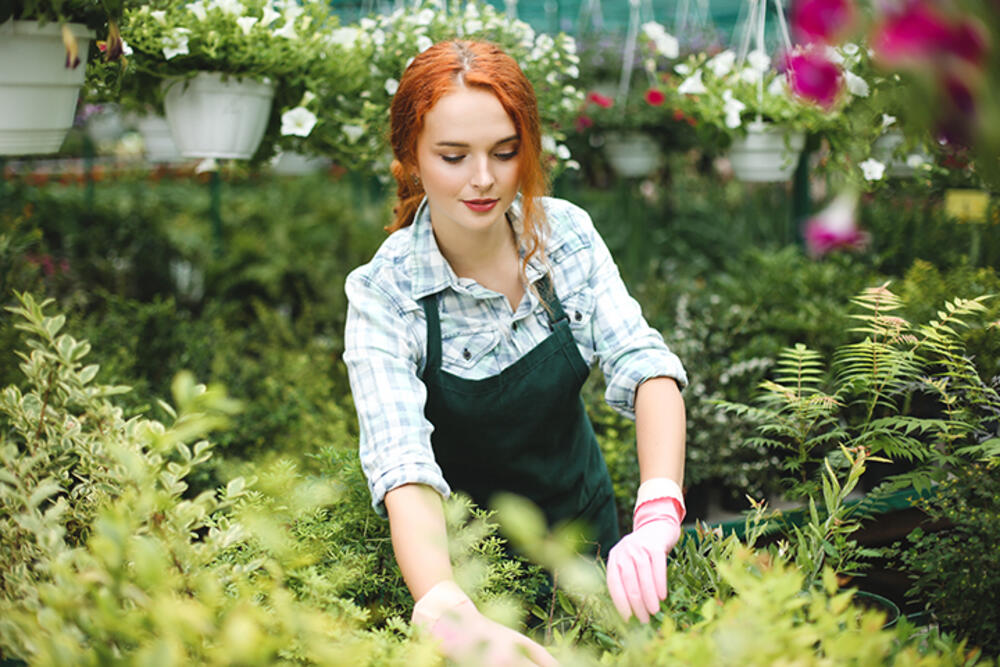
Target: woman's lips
[[480, 205]]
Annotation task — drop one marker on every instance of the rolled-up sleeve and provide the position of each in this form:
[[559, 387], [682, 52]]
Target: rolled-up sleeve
[[630, 351], [382, 353]]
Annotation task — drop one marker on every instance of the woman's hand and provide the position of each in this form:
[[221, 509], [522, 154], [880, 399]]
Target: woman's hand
[[637, 565], [468, 637]]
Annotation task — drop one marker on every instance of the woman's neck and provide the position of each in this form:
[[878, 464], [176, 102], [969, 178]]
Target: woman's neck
[[489, 257]]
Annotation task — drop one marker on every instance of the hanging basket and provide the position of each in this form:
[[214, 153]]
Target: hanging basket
[[157, 141], [631, 154], [38, 93], [214, 118], [768, 153]]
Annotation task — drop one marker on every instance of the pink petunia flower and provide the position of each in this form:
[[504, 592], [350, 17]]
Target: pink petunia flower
[[812, 76], [655, 97], [823, 21], [835, 227], [912, 37], [600, 100]]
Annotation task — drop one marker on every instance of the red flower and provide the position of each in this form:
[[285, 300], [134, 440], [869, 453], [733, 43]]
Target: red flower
[[600, 100], [813, 77], [655, 97], [678, 115], [821, 20], [583, 122]]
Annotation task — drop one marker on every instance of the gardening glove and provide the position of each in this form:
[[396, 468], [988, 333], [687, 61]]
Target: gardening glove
[[637, 565], [468, 637]]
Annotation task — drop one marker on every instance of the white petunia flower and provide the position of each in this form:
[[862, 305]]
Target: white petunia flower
[[856, 85], [751, 75], [692, 85], [850, 48], [246, 23], [833, 55], [298, 121], [424, 16], [473, 25], [562, 152], [872, 169], [206, 165], [668, 46], [367, 24], [732, 107], [176, 43], [722, 64], [378, 37], [353, 132], [345, 37], [573, 71], [572, 164], [159, 16], [307, 98], [683, 69], [548, 143], [759, 60], [126, 49], [424, 42], [287, 31], [198, 9], [269, 16], [887, 120], [391, 86], [232, 7], [777, 86], [915, 160]]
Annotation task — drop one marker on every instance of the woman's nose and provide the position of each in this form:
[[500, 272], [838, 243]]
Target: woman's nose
[[482, 177]]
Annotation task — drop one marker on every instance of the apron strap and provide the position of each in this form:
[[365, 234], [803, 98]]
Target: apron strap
[[430, 304], [553, 309]]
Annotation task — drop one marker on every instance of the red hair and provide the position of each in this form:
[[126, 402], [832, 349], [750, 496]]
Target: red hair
[[438, 71]]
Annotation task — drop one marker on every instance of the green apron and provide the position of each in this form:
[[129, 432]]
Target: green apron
[[525, 430]]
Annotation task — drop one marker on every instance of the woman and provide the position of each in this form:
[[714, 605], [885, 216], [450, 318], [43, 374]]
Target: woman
[[471, 332]]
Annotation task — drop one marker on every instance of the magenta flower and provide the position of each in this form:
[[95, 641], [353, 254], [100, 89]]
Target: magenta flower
[[812, 76], [914, 36], [835, 227], [821, 20]]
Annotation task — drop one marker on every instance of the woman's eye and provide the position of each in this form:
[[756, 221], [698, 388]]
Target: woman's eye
[[509, 155], [452, 158]]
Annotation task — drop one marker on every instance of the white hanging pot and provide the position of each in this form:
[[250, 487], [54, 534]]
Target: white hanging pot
[[157, 140], [767, 153], [631, 154], [38, 93], [291, 163], [214, 118], [884, 150]]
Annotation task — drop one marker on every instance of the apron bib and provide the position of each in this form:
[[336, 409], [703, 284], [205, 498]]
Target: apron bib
[[524, 431]]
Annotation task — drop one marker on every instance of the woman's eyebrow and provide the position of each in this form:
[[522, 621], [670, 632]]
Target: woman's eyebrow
[[460, 144]]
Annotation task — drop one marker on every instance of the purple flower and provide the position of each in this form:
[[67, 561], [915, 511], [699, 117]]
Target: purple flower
[[812, 76], [821, 20], [835, 227]]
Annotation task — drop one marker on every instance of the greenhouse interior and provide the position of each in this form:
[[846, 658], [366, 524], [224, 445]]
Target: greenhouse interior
[[520, 332]]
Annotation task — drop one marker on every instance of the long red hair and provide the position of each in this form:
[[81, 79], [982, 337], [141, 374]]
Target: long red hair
[[429, 77]]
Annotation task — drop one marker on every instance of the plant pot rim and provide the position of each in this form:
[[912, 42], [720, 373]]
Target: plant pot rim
[[49, 29]]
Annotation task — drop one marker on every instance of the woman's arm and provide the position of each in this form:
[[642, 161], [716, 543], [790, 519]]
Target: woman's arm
[[660, 429], [419, 536]]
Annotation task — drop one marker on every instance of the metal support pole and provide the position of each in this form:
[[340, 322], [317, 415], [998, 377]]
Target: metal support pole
[[215, 210]]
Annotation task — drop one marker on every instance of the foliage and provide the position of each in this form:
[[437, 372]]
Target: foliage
[[869, 403], [954, 570], [93, 13]]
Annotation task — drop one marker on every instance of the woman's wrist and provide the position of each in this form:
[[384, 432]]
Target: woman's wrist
[[661, 487]]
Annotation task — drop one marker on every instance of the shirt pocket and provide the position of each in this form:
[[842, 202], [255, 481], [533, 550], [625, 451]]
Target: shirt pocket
[[467, 349], [579, 309]]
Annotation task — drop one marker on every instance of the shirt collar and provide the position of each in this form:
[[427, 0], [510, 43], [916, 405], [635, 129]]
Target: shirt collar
[[430, 270]]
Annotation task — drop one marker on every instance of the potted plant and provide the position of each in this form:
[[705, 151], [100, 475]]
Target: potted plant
[[225, 68], [352, 107], [44, 48], [748, 108]]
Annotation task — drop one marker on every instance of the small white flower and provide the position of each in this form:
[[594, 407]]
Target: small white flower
[[475, 25], [424, 16], [424, 42], [850, 48], [683, 69], [126, 49], [833, 55], [176, 43], [246, 23], [872, 169], [287, 31], [887, 120], [652, 29], [233, 7], [668, 46], [856, 85], [378, 37], [777, 86], [722, 63], [345, 37], [307, 98], [206, 165], [160, 16], [573, 71], [298, 121], [751, 75], [915, 160], [548, 143], [759, 60], [562, 152], [544, 42], [572, 164], [269, 16], [198, 9], [367, 24], [552, 78], [391, 86], [692, 85], [353, 132], [732, 107]]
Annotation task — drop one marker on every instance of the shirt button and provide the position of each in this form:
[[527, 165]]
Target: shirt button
[[577, 316], [513, 326], [466, 354]]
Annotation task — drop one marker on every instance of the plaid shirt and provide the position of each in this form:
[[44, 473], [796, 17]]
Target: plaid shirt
[[386, 335]]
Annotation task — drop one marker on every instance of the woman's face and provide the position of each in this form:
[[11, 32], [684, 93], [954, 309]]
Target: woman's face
[[467, 160]]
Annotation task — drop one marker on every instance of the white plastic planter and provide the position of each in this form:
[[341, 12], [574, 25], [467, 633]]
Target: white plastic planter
[[885, 148], [632, 154], [295, 164], [768, 153], [38, 93], [157, 140], [214, 118]]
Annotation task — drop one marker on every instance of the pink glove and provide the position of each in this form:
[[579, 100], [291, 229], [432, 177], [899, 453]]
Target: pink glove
[[468, 637], [637, 565]]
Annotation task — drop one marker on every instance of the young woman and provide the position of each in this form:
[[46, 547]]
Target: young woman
[[469, 336]]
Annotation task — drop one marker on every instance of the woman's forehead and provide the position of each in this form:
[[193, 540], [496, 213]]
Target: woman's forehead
[[468, 116]]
